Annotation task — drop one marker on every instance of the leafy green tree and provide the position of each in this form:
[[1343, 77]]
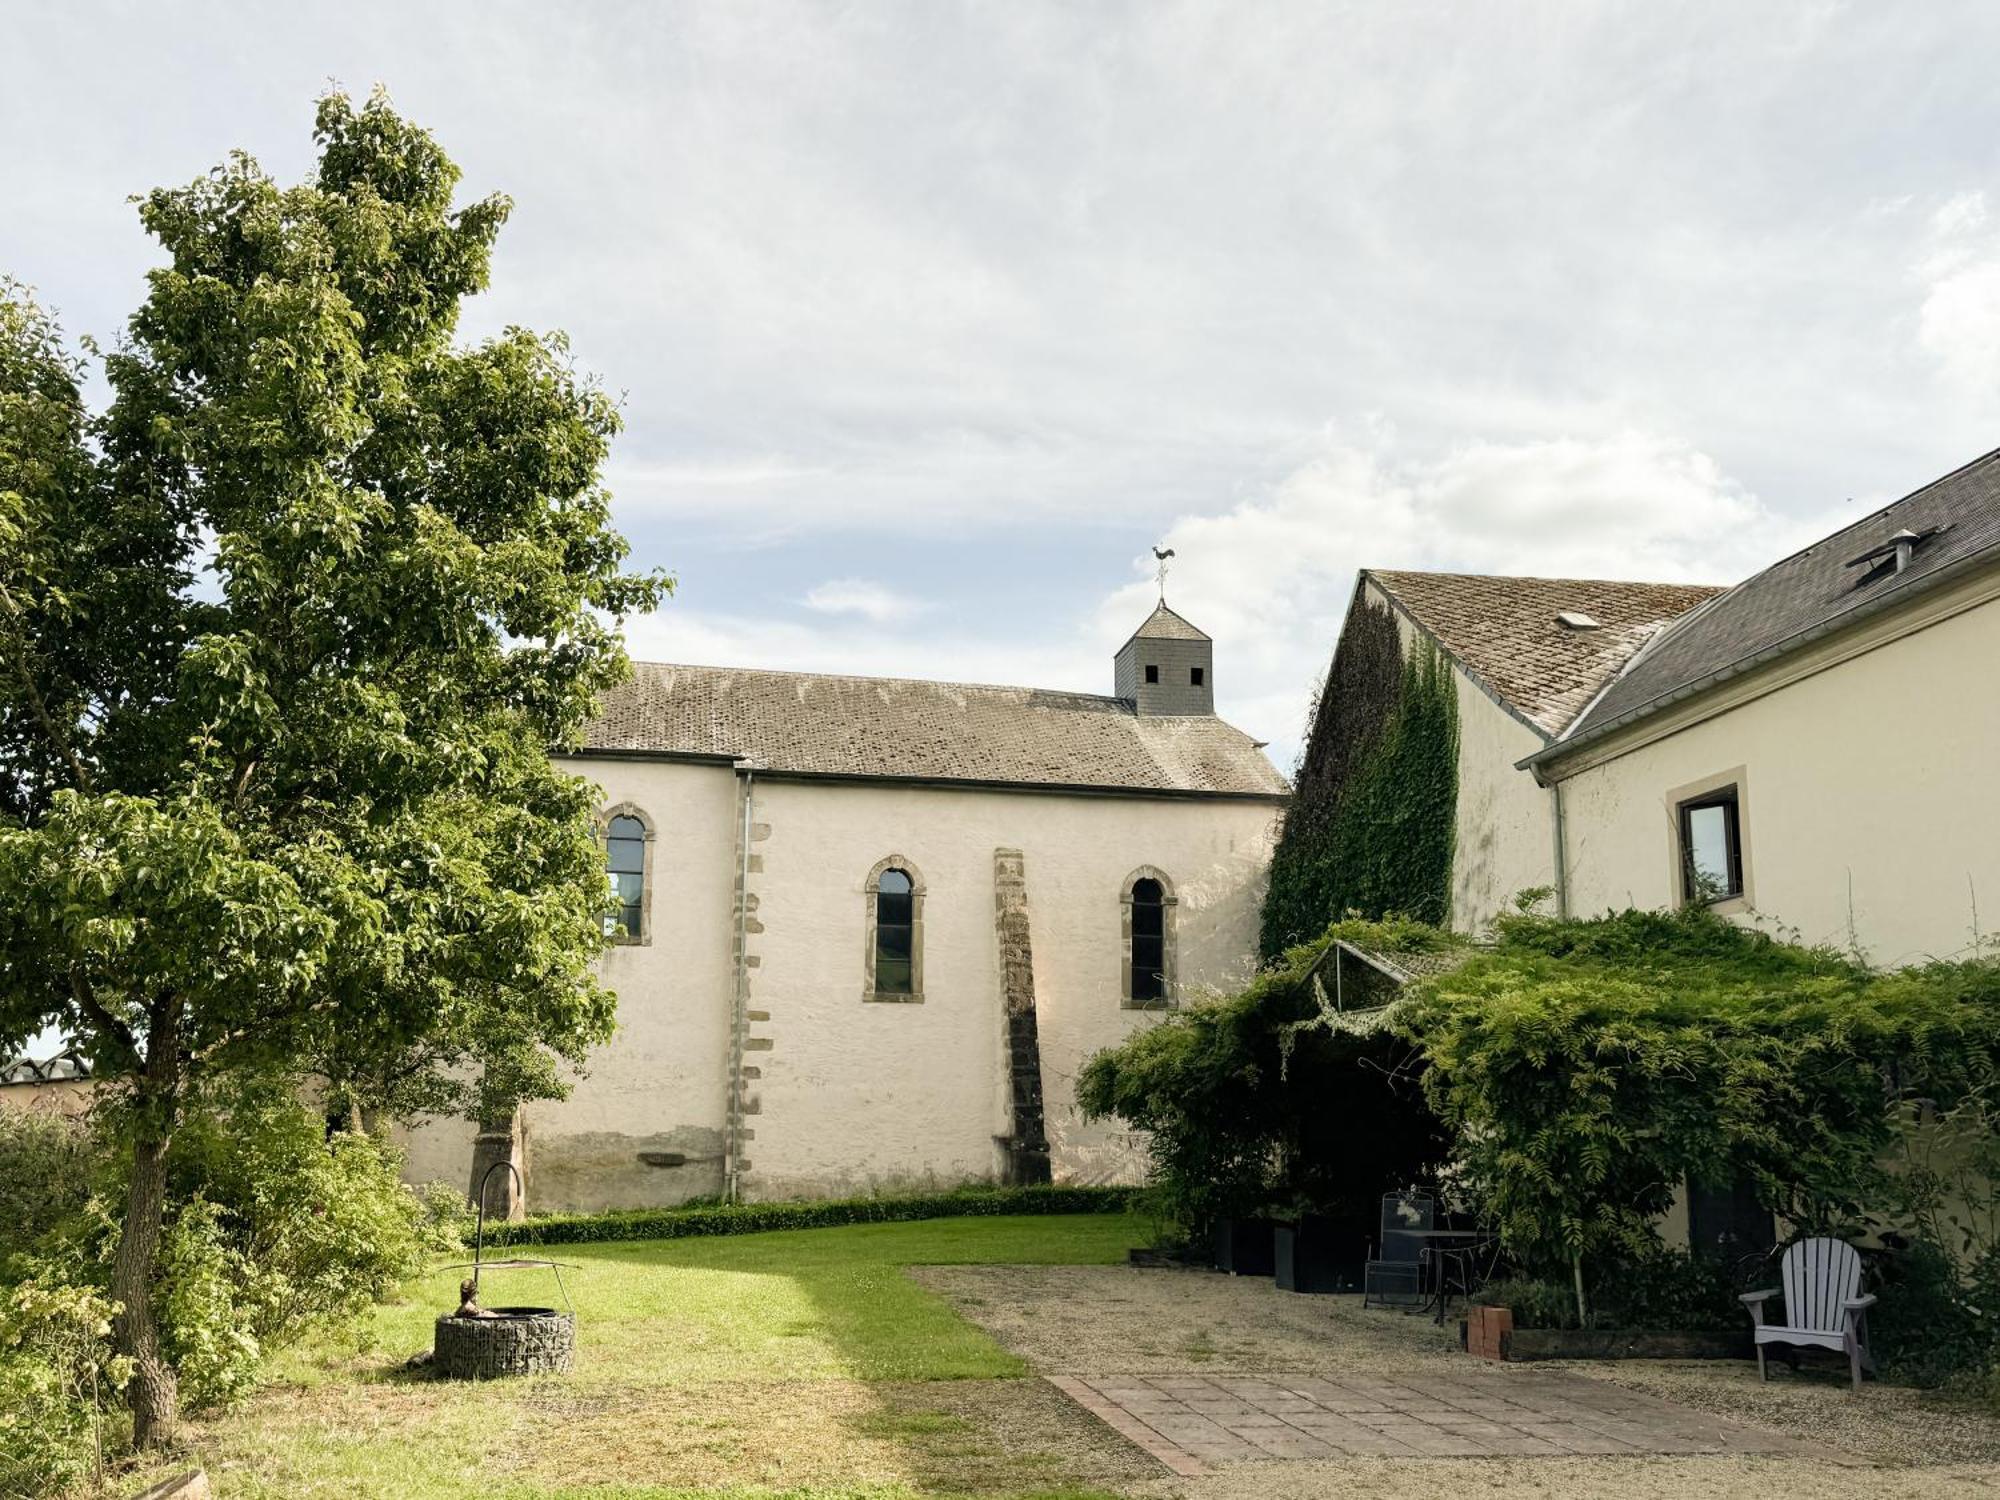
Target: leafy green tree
[[286, 636]]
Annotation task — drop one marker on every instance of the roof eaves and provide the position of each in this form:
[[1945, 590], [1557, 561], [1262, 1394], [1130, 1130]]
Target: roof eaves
[[1882, 603]]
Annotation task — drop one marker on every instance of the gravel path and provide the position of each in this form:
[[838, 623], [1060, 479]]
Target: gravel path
[[1104, 1320]]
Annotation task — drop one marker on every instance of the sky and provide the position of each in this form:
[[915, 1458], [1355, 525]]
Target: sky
[[931, 319]]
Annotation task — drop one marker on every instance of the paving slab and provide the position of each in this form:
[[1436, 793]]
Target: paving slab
[[1193, 1422]]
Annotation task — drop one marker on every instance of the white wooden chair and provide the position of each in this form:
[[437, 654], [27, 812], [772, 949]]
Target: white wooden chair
[[1823, 1305]]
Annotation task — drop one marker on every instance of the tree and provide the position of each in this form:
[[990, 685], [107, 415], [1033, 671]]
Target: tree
[[287, 634]]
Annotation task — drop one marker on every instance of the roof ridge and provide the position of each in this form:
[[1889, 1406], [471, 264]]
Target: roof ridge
[[988, 687], [1615, 583], [1879, 511]]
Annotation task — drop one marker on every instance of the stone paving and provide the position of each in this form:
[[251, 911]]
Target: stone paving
[[1190, 1422]]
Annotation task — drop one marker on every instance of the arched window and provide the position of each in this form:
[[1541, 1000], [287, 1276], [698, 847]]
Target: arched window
[[625, 841], [895, 932], [1149, 940]]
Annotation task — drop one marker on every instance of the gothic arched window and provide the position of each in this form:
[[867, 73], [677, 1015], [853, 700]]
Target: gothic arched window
[[1148, 964], [895, 932], [627, 842]]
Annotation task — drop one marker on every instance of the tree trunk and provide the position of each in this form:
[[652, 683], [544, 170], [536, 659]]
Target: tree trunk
[[153, 1394]]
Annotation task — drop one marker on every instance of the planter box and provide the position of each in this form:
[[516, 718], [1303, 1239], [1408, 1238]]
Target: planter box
[[1245, 1247], [1623, 1343], [1314, 1255]]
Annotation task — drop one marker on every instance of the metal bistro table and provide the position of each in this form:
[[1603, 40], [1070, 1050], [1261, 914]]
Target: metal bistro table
[[1449, 1254]]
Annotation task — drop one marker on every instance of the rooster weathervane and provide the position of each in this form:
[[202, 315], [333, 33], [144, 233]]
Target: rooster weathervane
[[1161, 558]]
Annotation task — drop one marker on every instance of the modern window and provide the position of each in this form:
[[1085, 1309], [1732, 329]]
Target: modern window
[[895, 932], [1711, 835], [1148, 939], [1152, 672], [625, 847], [1194, 676]]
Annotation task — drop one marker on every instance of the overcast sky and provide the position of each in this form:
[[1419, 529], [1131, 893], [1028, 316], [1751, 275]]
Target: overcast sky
[[931, 318]]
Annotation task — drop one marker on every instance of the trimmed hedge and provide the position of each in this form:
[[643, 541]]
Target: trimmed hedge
[[754, 1218]]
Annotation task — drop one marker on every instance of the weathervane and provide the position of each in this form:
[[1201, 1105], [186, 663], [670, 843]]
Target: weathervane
[[1162, 557]]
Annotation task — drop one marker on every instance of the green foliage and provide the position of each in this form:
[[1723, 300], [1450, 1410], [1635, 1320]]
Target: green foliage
[[1371, 828], [57, 1375], [47, 1163], [287, 634], [1246, 1102], [1939, 1319], [281, 1229], [756, 1218], [1589, 1068]]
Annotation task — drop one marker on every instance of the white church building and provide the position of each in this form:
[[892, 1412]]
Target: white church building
[[872, 929]]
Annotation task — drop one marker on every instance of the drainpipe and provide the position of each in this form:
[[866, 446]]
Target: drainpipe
[[732, 1140], [1562, 854]]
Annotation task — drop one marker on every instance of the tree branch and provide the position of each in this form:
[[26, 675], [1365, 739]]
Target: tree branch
[[101, 1017], [60, 742]]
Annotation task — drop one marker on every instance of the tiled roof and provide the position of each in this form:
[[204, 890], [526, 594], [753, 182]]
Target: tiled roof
[[1504, 632], [807, 724], [1164, 625], [1828, 585]]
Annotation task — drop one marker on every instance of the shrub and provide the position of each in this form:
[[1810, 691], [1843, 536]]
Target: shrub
[[280, 1229], [46, 1166], [1668, 1289], [755, 1218], [1589, 1068], [57, 1380], [1254, 1099]]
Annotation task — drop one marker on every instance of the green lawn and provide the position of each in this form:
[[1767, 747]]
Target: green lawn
[[801, 1362]]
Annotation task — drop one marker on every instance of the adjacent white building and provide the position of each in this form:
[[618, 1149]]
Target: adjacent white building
[[873, 928], [1812, 750]]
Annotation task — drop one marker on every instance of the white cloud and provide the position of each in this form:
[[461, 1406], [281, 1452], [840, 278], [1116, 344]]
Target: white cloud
[[1270, 578], [863, 597]]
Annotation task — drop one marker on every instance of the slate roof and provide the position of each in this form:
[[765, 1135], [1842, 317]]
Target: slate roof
[[1504, 632], [1164, 625], [804, 723], [1824, 587]]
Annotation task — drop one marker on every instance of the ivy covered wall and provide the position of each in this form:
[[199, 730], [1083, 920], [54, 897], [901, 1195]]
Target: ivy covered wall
[[1371, 826]]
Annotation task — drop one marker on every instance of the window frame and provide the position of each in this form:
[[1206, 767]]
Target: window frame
[[1197, 677], [871, 892], [1169, 904], [1725, 793], [1151, 676], [604, 821]]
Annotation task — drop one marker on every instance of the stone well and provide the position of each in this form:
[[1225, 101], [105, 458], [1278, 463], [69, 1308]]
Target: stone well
[[511, 1341]]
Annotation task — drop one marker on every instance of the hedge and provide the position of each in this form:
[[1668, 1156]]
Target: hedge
[[754, 1218]]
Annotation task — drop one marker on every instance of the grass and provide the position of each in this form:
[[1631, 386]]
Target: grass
[[798, 1363]]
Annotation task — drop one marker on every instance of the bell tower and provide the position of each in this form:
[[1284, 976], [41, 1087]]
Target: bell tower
[[1167, 667]]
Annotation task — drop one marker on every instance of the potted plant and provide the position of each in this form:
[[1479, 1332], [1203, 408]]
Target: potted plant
[[1245, 1244], [1314, 1251]]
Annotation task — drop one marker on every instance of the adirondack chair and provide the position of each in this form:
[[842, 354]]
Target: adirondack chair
[[1823, 1305]]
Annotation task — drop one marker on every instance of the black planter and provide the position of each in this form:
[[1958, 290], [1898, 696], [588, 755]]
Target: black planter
[[1317, 1254], [1244, 1247]]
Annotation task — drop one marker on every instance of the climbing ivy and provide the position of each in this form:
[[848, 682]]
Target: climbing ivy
[[1371, 828]]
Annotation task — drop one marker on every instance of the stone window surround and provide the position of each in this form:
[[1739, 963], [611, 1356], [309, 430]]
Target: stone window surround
[[1169, 903], [869, 889], [632, 810], [1739, 778]]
